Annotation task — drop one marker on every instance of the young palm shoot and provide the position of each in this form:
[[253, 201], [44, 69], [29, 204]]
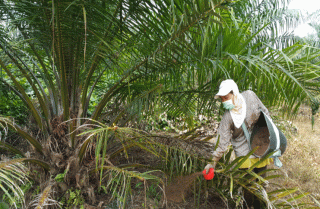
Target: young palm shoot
[[44, 199]]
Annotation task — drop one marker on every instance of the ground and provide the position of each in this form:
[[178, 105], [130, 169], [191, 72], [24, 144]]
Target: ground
[[301, 161], [301, 168]]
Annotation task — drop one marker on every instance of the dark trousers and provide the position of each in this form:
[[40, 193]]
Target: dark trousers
[[251, 199]]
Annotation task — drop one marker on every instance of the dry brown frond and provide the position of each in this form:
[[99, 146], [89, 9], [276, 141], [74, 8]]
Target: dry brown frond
[[72, 168], [91, 195], [4, 125], [57, 159], [82, 179], [7, 163], [44, 199], [59, 129]]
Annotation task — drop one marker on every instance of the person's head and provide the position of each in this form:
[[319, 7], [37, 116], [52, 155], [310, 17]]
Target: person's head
[[226, 97], [227, 90]]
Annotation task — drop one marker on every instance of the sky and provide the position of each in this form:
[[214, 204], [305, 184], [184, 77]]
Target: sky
[[306, 6]]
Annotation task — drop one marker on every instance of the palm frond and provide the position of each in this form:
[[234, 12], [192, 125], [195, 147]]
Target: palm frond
[[118, 181], [34, 142], [4, 125], [181, 163], [12, 175]]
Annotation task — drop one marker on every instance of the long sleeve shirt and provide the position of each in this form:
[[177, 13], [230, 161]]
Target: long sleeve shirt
[[229, 133]]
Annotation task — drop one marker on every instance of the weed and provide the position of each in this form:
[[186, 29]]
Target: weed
[[153, 192], [139, 185], [4, 205], [36, 191], [14, 198], [60, 176], [73, 198]]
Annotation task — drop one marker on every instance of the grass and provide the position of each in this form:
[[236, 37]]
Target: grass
[[301, 161]]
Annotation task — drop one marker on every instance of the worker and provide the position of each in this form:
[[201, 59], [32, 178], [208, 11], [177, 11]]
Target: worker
[[240, 108]]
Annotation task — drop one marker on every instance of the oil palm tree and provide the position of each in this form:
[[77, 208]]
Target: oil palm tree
[[102, 64]]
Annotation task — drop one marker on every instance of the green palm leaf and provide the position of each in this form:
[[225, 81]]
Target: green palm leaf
[[12, 174], [34, 142]]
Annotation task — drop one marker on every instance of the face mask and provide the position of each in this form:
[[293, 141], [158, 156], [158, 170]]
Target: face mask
[[228, 104]]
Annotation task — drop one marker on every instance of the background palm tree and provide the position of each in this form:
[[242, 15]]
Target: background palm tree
[[118, 61]]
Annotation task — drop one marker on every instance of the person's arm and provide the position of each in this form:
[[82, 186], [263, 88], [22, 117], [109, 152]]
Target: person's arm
[[261, 105], [225, 133]]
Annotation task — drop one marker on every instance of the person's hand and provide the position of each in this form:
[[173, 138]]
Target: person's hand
[[210, 165]]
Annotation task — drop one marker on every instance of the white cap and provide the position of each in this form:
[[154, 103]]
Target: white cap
[[225, 88]]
